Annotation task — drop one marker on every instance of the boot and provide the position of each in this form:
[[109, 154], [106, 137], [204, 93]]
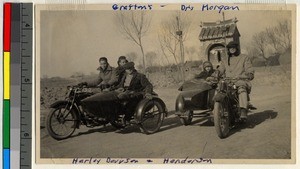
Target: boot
[[243, 114], [251, 107]]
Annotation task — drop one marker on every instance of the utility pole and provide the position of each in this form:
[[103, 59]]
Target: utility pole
[[179, 33], [225, 36]]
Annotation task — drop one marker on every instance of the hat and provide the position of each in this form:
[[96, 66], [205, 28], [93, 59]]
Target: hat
[[235, 45], [122, 57], [129, 65], [207, 64], [232, 44]]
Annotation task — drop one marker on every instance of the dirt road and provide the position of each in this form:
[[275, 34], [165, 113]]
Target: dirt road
[[267, 135]]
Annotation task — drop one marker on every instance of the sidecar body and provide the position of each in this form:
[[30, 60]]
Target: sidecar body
[[147, 113], [195, 95]]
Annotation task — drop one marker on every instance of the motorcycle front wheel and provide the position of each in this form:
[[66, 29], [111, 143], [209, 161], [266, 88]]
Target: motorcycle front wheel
[[152, 118], [61, 122], [221, 119]]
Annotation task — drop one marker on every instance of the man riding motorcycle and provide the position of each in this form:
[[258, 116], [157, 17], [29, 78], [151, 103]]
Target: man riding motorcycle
[[238, 66], [107, 76]]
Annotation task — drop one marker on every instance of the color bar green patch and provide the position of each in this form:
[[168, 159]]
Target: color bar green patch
[[6, 124]]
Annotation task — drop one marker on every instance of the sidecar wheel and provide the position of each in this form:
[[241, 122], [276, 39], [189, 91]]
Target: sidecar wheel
[[152, 117], [187, 118], [58, 127], [221, 119]]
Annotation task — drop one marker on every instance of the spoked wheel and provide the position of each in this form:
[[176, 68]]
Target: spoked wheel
[[152, 117], [221, 119], [187, 117], [61, 122]]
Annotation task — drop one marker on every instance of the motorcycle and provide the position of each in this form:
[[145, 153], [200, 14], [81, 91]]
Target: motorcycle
[[226, 112], [83, 107]]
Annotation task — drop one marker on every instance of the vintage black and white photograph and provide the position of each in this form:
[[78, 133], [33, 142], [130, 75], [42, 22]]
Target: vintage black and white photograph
[[121, 83]]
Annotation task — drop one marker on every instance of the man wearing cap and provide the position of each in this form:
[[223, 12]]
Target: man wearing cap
[[133, 81], [133, 84], [107, 75], [238, 66]]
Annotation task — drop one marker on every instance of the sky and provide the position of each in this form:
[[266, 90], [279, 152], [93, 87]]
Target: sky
[[73, 41]]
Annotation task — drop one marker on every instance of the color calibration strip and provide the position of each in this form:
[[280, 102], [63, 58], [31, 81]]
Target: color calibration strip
[[17, 85], [6, 83]]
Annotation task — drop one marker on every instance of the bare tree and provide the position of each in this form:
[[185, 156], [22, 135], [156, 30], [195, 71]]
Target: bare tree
[[272, 39], [131, 57], [280, 36], [170, 39], [150, 58], [191, 51], [134, 25], [283, 32], [260, 42]]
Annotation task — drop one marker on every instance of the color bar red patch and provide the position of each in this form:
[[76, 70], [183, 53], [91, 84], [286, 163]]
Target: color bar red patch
[[7, 27]]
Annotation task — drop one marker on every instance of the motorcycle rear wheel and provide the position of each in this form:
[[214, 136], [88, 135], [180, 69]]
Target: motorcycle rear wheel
[[221, 119], [61, 122], [153, 116], [187, 119]]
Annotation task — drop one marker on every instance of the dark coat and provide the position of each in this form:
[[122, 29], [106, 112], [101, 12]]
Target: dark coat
[[139, 83], [120, 72], [204, 74]]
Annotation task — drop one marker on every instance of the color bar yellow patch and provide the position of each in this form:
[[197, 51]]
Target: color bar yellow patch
[[6, 69]]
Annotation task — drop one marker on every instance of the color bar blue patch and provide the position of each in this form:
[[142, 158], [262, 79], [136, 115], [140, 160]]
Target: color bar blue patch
[[6, 159]]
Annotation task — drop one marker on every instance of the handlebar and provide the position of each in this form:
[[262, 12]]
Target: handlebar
[[235, 78]]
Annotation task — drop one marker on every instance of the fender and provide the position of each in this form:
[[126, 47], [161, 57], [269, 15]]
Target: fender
[[179, 105], [58, 103], [141, 106], [75, 107], [219, 97]]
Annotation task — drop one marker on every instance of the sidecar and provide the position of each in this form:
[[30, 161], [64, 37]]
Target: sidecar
[[194, 100], [148, 114]]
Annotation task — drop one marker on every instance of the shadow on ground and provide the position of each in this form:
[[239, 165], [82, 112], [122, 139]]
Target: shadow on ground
[[169, 122], [255, 120]]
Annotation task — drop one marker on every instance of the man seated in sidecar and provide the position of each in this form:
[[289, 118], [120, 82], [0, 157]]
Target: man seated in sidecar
[[133, 88], [207, 71], [133, 85]]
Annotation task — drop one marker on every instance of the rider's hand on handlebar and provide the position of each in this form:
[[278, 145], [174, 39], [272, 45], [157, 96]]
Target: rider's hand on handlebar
[[250, 76], [82, 84], [212, 79], [120, 90], [148, 96], [106, 89], [103, 86]]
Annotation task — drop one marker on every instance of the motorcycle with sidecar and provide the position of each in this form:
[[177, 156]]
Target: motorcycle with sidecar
[[83, 107], [218, 100]]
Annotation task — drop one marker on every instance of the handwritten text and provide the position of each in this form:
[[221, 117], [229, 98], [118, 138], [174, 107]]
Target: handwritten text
[[219, 8], [132, 7], [187, 7], [86, 161], [187, 161]]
